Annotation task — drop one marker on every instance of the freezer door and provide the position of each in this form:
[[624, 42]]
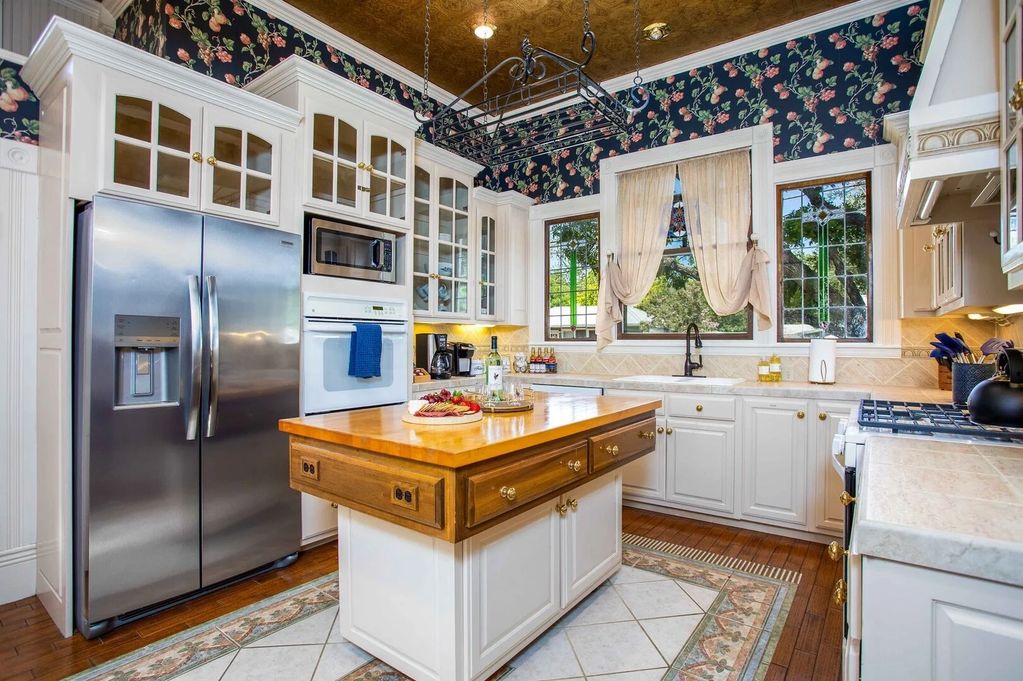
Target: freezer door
[[137, 368], [250, 516]]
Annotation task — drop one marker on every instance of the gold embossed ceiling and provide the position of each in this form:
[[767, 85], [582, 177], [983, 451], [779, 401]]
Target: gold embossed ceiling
[[394, 29]]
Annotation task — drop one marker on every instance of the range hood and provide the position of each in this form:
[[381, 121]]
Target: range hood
[[951, 129]]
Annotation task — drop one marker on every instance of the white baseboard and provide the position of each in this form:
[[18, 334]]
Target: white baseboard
[[17, 573]]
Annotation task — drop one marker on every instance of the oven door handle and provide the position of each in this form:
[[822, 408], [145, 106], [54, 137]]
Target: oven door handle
[[343, 329]]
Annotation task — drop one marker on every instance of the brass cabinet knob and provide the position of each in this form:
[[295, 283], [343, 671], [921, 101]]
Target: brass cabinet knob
[[611, 449], [822, 416], [669, 431], [800, 414], [846, 498], [836, 552], [333, 505], [361, 165], [838, 595], [507, 493], [928, 248], [212, 160], [575, 466], [197, 156], [699, 407], [562, 509], [1016, 100], [647, 434], [573, 504], [660, 429], [370, 168]]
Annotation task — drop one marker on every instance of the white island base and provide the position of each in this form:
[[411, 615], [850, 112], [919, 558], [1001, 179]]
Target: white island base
[[457, 612]]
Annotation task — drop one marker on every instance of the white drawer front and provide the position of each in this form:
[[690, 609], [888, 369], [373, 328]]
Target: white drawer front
[[702, 407], [639, 393]]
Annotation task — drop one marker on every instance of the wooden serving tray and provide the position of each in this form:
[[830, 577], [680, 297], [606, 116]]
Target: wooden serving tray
[[442, 420]]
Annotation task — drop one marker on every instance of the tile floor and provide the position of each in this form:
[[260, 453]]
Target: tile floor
[[630, 629]]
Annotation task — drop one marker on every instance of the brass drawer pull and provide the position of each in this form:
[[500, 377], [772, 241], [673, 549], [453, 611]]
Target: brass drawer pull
[[575, 466], [800, 414], [611, 449], [562, 509], [647, 434], [508, 493], [699, 407], [846, 498], [838, 595], [573, 504], [660, 429], [836, 552], [197, 156]]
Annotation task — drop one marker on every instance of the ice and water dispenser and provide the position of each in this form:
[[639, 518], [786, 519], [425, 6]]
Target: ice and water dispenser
[[148, 350]]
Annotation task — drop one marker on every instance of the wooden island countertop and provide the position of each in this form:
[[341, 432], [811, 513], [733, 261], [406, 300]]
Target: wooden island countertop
[[452, 481]]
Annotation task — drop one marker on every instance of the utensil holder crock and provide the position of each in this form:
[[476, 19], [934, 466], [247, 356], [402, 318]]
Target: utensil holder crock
[[966, 376]]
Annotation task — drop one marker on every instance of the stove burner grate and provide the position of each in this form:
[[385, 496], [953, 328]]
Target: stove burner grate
[[930, 419]]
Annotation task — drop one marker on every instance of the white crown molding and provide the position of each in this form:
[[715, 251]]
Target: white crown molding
[[19, 156], [88, 7], [7, 55], [115, 7], [505, 198], [296, 69], [63, 40], [579, 205], [446, 158]]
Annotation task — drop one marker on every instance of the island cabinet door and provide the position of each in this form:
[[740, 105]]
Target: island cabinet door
[[591, 537], [513, 572]]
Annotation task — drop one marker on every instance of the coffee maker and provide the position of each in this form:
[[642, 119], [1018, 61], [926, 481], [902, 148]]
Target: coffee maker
[[428, 346], [463, 353]]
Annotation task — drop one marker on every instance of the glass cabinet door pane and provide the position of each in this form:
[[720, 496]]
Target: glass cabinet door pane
[[346, 185], [443, 295], [445, 260], [1011, 198], [323, 133], [378, 195], [399, 160], [131, 164], [259, 155], [397, 200], [133, 117], [347, 141], [422, 184], [323, 179], [227, 145], [461, 297], [257, 194], [461, 229], [174, 131], [378, 153], [462, 263], [227, 187], [172, 174], [444, 226], [447, 191], [420, 293], [422, 219], [421, 256], [484, 234], [461, 196], [1011, 71]]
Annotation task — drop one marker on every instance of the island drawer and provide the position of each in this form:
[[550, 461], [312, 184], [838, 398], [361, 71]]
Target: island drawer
[[622, 444], [360, 481], [499, 490]]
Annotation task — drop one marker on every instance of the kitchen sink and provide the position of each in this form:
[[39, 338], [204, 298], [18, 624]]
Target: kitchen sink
[[694, 380]]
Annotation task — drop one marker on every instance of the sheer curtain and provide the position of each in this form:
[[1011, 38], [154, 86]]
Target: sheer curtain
[[716, 195], [644, 211]]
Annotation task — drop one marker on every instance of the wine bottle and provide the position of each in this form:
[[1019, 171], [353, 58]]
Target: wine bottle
[[494, 369]]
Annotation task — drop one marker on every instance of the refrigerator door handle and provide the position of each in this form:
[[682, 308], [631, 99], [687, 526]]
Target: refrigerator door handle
[[213, 313], [195, 321]]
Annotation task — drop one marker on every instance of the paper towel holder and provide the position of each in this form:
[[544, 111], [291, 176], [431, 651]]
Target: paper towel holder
[[822, 362]]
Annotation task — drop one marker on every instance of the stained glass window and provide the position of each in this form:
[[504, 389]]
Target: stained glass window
[[825, 259], [573, 277]]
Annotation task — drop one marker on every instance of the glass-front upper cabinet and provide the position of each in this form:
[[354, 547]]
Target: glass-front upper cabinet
[[388, 172], [441, 243], [1011, 105], [334, 161], [486, 308], [240, 168], [154, 148]]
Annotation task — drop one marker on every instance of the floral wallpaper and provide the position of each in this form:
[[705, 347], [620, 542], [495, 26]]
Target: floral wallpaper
[[234, 41], [823, 93], [19, 108]]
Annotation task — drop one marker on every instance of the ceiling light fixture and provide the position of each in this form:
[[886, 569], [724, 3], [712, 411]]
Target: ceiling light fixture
[[484, 31], [656, 31]]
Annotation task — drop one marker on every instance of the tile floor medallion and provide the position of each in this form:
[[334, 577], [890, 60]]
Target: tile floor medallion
[[670, 613]]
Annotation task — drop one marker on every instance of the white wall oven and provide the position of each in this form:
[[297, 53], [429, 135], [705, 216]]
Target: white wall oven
[[327, 328]]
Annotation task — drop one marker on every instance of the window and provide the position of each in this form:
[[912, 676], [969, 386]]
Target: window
[[824, 259], [676, 298], [573, 277]]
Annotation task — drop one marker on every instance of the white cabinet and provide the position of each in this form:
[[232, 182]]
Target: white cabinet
[[644, 478], [356, 151], [947, 254], [319, 519], [487, 250], [701, 464], [165, 147], [774, 444], [591, 536], [515, 569], [1010, 103], [923, 624], [826, 484]]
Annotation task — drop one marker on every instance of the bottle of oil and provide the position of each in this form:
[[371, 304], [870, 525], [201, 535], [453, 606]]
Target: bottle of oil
[[763, 370], [775, 368]]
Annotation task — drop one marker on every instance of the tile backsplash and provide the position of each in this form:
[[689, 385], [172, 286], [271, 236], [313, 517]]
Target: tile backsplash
[[913, 369]]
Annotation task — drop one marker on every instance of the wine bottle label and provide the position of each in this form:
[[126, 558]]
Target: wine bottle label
[[494, 377]]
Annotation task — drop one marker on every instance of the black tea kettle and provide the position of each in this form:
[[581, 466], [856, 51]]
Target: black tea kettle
[[998, 401]]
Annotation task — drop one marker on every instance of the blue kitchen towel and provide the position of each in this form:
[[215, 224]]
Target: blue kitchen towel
[[364, 358]]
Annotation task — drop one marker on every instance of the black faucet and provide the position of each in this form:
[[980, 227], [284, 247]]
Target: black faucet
[[687, 368]]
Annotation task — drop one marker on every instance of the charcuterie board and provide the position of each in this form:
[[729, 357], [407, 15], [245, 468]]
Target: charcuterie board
[[442, 420]]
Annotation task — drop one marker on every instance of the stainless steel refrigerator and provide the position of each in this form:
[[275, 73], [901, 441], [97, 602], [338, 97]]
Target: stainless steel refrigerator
[[186, 353]]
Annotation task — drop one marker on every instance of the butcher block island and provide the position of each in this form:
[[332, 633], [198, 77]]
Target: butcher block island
[[460, 544]]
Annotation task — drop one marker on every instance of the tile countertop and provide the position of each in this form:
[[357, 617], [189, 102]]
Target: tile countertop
[[952, 506], [794, 389]]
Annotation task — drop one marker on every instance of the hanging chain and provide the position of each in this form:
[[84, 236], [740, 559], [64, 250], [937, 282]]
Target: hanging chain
[[586, 16], [426, 56], [635, 24], [486, 45]]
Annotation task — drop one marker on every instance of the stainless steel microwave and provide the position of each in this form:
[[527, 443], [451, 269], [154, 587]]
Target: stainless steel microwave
[[340, 249]]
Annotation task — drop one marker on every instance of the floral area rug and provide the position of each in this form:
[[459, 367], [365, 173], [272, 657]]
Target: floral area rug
[[670, 613]]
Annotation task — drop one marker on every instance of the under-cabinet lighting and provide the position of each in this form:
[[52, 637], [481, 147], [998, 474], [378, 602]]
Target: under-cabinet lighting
[[1015, 308], [927, 201]]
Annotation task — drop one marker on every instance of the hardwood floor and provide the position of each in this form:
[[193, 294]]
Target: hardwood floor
[[32, 648]]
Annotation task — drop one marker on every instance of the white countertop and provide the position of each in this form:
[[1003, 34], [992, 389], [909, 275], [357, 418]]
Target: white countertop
[[952, 506]]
